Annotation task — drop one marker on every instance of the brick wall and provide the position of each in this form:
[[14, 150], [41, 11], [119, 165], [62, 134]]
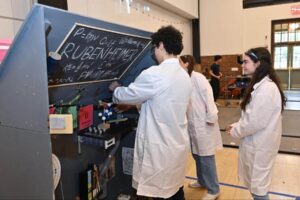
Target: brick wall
[[228, 62]]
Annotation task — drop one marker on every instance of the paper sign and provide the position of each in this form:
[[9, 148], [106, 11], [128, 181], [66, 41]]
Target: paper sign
[[61, 123], [295, 9], [85, 117], [127, 160], [57, 122]]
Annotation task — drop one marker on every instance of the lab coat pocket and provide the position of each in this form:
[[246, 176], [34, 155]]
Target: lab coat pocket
[[176, 166], [197, 126], [154, 164], [155, 155]]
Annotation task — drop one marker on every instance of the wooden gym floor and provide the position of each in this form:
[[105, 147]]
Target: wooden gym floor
[[285, 183]]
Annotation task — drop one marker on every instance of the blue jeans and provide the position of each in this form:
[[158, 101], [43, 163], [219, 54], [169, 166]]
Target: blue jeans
[[207, 173], [256, 197]]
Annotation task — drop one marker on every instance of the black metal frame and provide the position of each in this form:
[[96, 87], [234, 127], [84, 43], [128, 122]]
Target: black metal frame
[[259, 3]]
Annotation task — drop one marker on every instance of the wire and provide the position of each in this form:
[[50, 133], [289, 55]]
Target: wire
[[62, 191]]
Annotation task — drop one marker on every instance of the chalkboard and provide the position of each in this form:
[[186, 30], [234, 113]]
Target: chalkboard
[[91, 54]]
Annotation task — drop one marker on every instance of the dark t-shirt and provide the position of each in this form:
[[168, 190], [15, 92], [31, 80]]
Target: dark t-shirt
[[215, 68]]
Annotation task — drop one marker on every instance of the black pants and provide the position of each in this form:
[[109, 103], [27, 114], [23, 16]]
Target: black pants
[[215, 84], [177, 196]]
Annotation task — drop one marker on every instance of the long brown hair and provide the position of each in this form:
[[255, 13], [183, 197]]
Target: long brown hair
[[265, 68], [188, 59]]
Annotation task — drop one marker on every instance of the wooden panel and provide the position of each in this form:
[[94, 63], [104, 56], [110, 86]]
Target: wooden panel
[[286, 185]]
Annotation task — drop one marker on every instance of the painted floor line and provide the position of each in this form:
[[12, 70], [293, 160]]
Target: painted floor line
[[244, 188]]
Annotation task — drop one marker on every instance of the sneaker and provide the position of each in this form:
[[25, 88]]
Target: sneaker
[[195, 185], [211, 196]]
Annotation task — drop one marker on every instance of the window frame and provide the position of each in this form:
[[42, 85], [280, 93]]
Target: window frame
[[280, 44]]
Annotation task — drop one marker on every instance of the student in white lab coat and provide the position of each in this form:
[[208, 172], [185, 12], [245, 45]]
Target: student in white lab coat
[[260, 126], [203, 129], [162, 142]]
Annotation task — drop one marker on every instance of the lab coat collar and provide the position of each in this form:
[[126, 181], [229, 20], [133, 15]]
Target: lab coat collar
[[266, 78], [170, 60]]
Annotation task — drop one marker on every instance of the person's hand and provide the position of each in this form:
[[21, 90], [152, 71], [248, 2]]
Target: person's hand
[[113, 86], [122, 108], [210, 123], [228, 129]]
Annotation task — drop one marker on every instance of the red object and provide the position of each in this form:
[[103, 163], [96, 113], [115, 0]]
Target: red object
[[85, 117], [4, 46], [52, 110], [230, 89], [295, 10]]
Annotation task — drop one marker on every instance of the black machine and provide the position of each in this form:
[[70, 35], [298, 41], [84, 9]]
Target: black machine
[[62, 63]]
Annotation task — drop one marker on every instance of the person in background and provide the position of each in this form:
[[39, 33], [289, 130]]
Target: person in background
[[162, 142], [260, 126], [203, 130], [216, 75]]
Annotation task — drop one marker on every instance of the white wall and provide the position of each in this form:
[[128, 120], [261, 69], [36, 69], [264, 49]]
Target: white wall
[[257, 24], [226, 28], [117, 11], [186, 8], [221, 27], [189, 6], [12, 14]]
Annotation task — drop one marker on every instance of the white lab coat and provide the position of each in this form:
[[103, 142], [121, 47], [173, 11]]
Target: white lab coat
[[259, 130], [205, 139], [162, 141]]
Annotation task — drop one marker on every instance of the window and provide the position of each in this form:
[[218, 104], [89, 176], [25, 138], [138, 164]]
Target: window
[[286, 44], [280, 58], [296, 57]]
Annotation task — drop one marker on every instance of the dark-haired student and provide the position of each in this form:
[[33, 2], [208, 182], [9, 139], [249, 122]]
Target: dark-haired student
[[260, 126], [162, 142]]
